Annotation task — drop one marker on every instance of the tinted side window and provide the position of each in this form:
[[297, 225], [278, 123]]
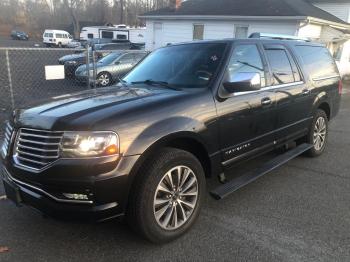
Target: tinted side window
[[107, 34], [281, 67], [317, 61], [246, 59], [127, 59]]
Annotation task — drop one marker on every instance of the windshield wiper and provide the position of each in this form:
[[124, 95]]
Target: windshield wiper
[[122, 81], [153, 82]]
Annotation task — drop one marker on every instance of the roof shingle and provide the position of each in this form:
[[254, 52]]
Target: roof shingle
[[246, 8]]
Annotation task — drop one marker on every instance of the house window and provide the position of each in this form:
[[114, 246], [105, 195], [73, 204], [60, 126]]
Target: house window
[[198, 32], [338, 51], [241, 31]]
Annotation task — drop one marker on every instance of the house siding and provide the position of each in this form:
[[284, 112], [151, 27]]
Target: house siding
[[175, 31]]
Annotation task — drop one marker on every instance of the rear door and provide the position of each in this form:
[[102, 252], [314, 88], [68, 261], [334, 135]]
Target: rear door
[[293, 97]]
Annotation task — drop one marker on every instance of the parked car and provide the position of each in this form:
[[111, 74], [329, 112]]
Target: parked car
[[73, 61], [57, 38], [74, 44], [115, 46], [19, 35], [144, 147], [110, 68]]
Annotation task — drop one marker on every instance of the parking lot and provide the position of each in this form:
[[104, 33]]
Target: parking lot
[[299, 212]]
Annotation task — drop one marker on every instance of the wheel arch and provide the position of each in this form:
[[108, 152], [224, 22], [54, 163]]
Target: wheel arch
[[183, 140], [322, 102]]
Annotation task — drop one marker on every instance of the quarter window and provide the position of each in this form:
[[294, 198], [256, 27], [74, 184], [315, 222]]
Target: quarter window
[[246, 59], [317, 61], [281, 67]]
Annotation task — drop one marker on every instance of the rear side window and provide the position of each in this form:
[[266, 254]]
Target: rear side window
[[317, 61], [281, 66]]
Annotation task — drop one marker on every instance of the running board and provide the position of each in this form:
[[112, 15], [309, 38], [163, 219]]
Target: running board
[[235, 184]]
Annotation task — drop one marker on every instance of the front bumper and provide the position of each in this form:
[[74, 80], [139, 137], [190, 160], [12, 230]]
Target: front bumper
[[107, 190]]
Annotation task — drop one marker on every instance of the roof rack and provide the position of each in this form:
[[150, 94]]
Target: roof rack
[[278, 36]]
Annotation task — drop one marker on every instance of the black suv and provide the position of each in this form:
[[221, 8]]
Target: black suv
[[144, 147]]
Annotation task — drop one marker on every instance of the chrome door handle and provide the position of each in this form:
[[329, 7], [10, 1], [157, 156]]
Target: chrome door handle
[[266, 101], [306, 92]]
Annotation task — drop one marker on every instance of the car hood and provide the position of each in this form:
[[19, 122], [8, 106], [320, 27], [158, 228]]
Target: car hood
[[81, 111]]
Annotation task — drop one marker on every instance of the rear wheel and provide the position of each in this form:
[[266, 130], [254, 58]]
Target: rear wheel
[[318, 134], [167, 196]]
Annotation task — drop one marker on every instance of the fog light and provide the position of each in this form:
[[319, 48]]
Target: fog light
[[76, 196]]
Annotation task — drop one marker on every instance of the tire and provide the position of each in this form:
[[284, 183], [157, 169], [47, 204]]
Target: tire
[[59, 45], [104, 79], [143, 211], [318, 134]]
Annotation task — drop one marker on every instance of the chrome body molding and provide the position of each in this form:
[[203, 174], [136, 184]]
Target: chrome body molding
[[21, 183], [268, 88]]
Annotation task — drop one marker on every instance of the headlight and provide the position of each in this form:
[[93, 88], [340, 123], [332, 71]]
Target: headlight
[[89, 144]]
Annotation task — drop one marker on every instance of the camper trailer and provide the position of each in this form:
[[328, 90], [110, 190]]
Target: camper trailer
[[119, 32]]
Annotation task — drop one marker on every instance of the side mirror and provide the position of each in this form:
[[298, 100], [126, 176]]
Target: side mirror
[[243, 82]]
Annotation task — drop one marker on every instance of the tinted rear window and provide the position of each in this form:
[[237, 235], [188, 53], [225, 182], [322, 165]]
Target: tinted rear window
[[317, 61], [281, 67]]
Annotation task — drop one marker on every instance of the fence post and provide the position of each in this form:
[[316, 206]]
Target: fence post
[[10, 79], [88, 65], [94, 65]]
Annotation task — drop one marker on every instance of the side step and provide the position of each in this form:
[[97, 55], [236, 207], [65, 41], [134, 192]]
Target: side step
[[235, 184]]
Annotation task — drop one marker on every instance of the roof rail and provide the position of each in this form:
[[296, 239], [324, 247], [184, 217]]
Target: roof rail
[[278, 36]]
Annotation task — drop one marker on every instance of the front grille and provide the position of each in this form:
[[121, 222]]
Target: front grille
[[7, 139], [36, 149]]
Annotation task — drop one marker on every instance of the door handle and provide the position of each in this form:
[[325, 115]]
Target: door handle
[[266, 101], [306, 92]]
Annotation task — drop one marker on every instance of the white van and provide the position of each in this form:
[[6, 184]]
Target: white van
[[57, 38]]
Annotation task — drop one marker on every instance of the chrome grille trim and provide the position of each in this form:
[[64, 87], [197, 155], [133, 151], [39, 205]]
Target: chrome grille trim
[[7, 139], [35, 149]]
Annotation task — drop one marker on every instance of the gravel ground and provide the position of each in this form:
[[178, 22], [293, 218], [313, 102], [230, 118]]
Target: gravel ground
[[299, 212]]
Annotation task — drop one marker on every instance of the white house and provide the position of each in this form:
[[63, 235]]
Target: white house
[[320, 20]]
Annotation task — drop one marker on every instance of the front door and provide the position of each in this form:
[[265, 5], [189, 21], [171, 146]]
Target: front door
[[247, 119]]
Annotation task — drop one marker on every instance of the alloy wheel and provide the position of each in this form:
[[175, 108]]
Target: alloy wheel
[[175, 198], [103, 79], [320, 132]]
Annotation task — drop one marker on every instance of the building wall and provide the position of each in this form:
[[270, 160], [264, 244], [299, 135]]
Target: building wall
[[341, 10], [175, 31]]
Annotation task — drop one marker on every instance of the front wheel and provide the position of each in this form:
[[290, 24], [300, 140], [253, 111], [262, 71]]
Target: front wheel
[[318, 134], [167, 197], [104, 79]]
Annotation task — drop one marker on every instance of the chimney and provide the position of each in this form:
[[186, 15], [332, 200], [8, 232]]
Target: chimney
[[178, 4]]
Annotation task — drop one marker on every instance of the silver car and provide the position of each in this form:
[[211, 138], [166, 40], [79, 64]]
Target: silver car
[[111, 67]]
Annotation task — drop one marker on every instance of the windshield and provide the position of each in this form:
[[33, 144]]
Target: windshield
[[188, 66], [109, 58]]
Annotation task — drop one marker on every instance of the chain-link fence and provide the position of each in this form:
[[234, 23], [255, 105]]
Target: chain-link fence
[[31, 75]]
